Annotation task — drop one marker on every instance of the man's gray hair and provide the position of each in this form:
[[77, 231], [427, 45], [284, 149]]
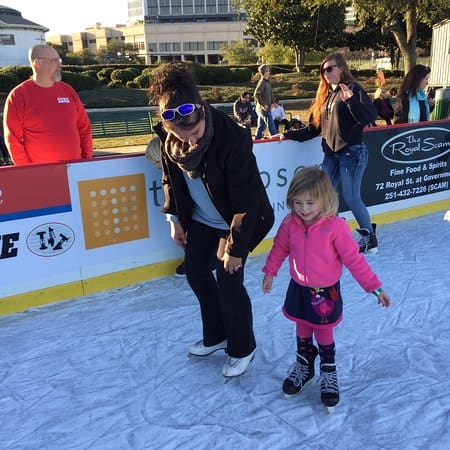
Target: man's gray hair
[[34, 51]]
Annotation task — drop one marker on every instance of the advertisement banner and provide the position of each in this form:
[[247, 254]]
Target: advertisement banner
[[407, 162]]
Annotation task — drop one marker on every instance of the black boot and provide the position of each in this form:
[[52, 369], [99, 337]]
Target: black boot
[[368, 243], [301, 372], [329, 388]]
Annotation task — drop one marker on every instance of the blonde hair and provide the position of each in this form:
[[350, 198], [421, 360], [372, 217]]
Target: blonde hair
[[317, 184], [153, 150]]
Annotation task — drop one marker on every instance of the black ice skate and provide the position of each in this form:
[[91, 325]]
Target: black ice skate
[[368, 243], [329, 389], [301, 373]]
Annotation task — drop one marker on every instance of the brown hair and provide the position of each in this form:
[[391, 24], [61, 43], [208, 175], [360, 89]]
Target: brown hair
[[172, 85], [322, 90], [316, 183]]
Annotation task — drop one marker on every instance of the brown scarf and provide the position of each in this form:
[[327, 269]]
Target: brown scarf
[[187, 157]]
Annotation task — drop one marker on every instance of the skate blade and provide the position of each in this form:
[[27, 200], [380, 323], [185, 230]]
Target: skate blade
[[193, 355], [330, 409]]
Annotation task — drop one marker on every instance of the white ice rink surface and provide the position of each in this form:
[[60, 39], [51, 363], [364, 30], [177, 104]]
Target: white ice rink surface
[[111, 371]]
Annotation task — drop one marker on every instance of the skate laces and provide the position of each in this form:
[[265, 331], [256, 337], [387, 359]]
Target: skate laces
[[232, 362], [328, 381], [297, 373]]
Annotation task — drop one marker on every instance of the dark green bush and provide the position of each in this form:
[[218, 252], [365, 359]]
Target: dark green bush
[[131, 85], [8, 80], [142, 81], [124, 75], [22, 72], [90, 73], [104, 75], [147, 71], [79, 81], [240, 74], [114, 85]]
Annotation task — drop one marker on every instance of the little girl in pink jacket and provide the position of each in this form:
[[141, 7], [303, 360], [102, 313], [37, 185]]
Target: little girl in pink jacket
[[318, 244]]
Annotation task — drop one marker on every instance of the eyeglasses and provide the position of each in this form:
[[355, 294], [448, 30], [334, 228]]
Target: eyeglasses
[[329, 69], [183, 110], [53, 60]]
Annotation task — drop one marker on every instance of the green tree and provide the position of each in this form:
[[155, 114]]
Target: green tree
[[276, 54], [239, 52], [402, 18], [300, 25], [116, 52]]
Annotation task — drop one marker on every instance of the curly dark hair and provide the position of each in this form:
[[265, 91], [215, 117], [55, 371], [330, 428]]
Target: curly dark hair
[[173, 84]]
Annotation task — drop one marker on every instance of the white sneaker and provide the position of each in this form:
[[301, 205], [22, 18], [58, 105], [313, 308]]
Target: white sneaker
[[200, 349], [237, 366]]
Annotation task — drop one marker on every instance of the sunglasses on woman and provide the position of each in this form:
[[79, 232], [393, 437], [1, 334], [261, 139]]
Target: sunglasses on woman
[[183, 110], [329, 69]]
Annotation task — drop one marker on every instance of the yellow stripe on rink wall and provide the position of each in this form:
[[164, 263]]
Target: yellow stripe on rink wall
[[27, 300]]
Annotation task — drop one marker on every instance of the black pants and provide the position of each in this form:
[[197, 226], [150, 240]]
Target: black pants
[[225, 306]]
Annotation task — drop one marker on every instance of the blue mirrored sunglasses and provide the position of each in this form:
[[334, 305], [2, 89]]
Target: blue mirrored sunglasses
[[182, 110]]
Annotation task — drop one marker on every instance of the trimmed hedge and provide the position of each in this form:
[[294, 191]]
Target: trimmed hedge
[[79, 81], [8, 81]]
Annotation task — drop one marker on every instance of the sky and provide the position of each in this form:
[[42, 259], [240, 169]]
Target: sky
[[111, 370], [70, 16]]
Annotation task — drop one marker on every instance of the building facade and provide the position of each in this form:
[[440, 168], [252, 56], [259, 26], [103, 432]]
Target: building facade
[[160, 30], [17, 35]]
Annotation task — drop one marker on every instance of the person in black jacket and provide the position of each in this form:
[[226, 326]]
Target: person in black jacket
[[340, 112], [217, 207]]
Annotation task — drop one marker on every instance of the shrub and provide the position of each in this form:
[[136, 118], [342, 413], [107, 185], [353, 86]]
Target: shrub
[[22, 72], [124, 75], [104, 75], [90, 73], [79, 81], [142, 81], [114, 85], [240, 74], [147, 71], [131, 85], [8, 80]]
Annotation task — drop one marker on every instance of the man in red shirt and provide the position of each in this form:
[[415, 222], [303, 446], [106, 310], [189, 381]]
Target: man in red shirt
[[44, 120]]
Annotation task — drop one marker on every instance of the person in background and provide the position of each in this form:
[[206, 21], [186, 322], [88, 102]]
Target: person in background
[[340, 112], [297, 123], [44, 120], [318, 244], [264, 99], [5, 160], [383, 105], [153, 154], [412, 104], [243, 110], [217, 207], [279, 116]]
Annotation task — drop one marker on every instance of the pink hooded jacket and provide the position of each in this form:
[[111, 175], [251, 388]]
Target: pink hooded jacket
[[317, 254]]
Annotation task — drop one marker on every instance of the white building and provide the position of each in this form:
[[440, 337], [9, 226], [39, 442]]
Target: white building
[[17, 35]]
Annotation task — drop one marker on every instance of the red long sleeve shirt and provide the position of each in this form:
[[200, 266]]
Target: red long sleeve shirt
[[46, 124]]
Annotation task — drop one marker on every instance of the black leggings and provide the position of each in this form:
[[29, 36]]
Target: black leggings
[[224, 303]]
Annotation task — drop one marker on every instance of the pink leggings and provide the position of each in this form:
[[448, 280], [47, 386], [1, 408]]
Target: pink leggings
[[324, 336]]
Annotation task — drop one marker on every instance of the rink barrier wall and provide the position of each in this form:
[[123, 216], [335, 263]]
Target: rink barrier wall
[[76, 228]]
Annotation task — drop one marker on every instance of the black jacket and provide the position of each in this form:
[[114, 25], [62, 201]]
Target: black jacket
[[341, 123], [231, 177]]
